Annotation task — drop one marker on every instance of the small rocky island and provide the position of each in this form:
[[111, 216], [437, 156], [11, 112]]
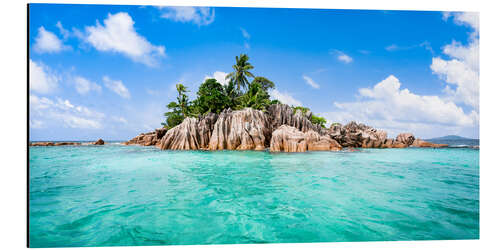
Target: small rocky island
[[279, 129], [241, 115]]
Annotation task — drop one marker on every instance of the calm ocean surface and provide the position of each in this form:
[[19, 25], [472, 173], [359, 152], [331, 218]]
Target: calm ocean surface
[[117, 195]]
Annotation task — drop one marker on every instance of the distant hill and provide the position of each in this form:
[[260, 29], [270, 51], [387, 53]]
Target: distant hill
[[451, 138], [455, 141]]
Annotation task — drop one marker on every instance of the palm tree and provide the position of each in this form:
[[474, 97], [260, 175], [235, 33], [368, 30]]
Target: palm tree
[[232, 94], [182, 99], [241, 71]]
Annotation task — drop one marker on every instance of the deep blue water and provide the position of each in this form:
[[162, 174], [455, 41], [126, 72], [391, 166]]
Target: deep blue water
[[131, 195]]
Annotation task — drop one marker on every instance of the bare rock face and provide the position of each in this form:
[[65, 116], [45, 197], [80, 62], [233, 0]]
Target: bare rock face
[[99, 142], [290, 139], [246, 129], [398, 144], [424, 144], [206, 126], [184, 136], [405, 138], [282, 114], [388, 143], [148, 139], [191, 134], [358, 135]]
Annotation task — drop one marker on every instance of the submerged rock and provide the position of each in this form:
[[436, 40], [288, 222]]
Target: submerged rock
[[246, 129], [290, 139]]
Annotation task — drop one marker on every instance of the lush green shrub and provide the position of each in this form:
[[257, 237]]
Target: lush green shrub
[[318, 120], [211, 98]]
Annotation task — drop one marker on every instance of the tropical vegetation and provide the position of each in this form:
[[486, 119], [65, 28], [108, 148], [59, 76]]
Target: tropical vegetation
[[238, 93]]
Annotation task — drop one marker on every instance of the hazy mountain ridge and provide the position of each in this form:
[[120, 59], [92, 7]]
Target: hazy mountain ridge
[[452, 137]]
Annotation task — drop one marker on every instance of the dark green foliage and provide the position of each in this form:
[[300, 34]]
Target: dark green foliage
[[256, 97], [232, 94], [275, 102], [211, 98], [318, 120], [264, 82], [303, 109]]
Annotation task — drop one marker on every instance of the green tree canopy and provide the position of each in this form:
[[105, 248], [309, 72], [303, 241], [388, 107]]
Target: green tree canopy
[[211, 98], [318, 120], [256, 97], [264, 82]]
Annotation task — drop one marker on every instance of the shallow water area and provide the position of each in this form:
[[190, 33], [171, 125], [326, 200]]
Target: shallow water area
[[117, 195]]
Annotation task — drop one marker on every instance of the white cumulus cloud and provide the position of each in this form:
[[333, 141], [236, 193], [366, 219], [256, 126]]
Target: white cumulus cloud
[[219, 76], [48, 42], [116, 86], [42, 79], [461, 70], [311, 82], [284, 98], [196, 15], [62, 112], [119, 35], [84, 86], [64, 32], [389, 107]]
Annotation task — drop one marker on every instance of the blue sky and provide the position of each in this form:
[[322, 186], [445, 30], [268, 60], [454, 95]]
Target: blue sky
[[103, 71]]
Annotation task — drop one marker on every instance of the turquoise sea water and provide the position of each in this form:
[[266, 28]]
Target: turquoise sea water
[[117, 195]]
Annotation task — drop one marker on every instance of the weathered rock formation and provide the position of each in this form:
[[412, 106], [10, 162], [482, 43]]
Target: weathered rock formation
[[246, 129], [282, 114], [290, 139], [405, 138], [357, 135], [424, 144], [148, 139], [279, 128], [191, 134], [98, 142]]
